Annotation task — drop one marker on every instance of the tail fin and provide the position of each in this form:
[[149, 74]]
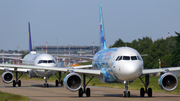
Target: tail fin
[[102, 37], [30, 44]]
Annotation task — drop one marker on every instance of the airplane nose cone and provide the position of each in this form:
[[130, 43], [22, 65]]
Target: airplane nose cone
[[132, 71]]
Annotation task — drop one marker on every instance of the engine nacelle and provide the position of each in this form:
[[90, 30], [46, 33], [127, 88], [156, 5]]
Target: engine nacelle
[[73, 81], [168, 82], [7, 77]]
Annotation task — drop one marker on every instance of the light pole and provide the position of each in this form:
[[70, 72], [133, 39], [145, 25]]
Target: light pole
[[57, 45]]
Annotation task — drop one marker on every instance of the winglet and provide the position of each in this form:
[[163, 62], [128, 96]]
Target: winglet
[[30, 44], [102, 37]]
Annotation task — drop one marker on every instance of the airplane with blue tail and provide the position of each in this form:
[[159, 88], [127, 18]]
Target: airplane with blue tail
[[114, 65]]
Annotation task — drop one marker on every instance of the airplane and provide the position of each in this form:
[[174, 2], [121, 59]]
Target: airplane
[[32, 59], [114, 65]]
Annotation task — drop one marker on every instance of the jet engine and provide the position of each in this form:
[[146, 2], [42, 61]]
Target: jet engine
[[7, 77], [168, 82], [73, 81]]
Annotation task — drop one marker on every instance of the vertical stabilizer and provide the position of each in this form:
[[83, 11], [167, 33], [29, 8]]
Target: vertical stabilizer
[[102, 37], [30, 44]]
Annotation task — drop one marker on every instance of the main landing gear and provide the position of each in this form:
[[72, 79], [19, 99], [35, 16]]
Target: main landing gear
[[17, 81], [146, 90], [84, 90], [59, 81]]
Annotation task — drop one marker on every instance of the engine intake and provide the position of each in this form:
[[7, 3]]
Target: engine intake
[[168, 82], [7, 77], [73, 82]]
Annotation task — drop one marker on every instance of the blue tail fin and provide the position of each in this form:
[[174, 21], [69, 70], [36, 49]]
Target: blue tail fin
[[102, 37], [30, 44]]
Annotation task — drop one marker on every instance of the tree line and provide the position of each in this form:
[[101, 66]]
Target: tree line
[[167, 50]]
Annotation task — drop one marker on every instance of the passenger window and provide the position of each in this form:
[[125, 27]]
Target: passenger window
[[126, 58], [133, 58]]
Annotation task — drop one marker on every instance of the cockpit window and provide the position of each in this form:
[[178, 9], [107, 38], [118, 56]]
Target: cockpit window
[[126, 58], [51, 61], [133, 58], [139, 58], [119, 58], [46, 61], [40, 61]]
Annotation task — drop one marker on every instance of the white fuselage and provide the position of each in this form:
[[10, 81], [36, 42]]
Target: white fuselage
[[39, 60], [118, 64]]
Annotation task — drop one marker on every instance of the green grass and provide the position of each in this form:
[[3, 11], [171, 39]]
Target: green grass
[[12, 97]]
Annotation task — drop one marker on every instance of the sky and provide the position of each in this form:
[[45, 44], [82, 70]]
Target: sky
[[76, 22]]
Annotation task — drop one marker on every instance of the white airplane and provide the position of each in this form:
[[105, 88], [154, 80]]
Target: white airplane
[[115, 65], [32, 59]]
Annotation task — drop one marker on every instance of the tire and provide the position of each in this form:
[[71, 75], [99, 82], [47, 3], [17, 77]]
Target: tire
[[44, 85], [128, 94], [19, 83], [80, 92], [124, 94], [56, 83], [142, 92], [149, 92], [14, 83], [88, 92]]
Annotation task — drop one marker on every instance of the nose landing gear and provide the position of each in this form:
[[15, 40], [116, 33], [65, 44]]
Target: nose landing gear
[[126, 93]]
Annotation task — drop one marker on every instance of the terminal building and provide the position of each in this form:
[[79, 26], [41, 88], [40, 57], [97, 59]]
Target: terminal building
[[82, 51]]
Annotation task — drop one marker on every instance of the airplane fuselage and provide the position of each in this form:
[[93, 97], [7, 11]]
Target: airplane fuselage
[[118, 64], [39, 60]]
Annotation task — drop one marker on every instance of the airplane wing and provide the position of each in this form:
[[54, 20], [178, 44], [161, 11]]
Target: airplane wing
[[12, 69], [76, 57], [62, 69], [160, 70], [12, 58]]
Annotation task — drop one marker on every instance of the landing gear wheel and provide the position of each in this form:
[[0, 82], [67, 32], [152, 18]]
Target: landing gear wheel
[[128, 94], [88, 92], [142, 92], [149, 92], [56, 82], [46, 85], [124, 94], [19, 83], [80, 92], [14, 83]]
